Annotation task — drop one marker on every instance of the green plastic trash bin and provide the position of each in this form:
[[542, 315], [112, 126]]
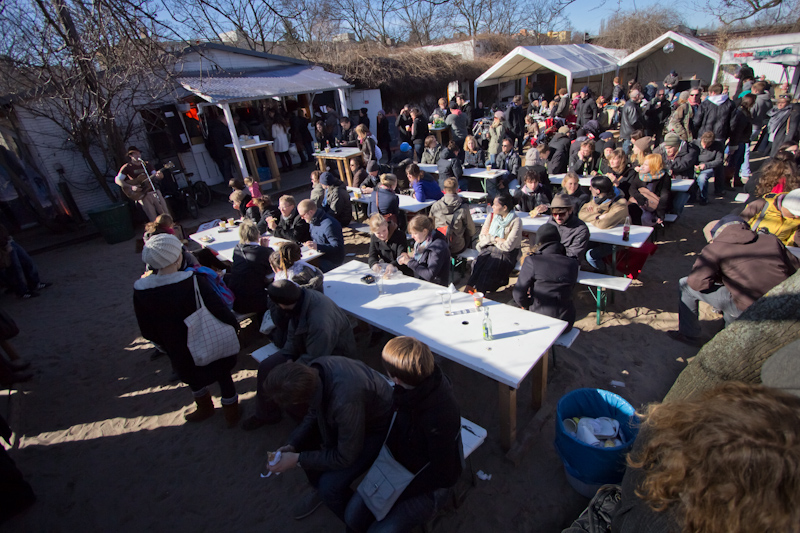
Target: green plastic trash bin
[[114, 222]]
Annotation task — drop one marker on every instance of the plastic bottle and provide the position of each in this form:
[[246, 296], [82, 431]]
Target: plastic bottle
[[487, 324], [626, 229]]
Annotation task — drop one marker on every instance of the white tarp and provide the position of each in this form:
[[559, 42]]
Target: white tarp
[[683, 61], [570, 60]]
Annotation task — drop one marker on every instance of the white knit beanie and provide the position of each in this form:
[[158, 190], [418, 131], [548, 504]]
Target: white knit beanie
[[161, 250]]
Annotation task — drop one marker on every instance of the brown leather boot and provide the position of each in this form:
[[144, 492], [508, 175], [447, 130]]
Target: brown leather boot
[[204, 410], [232, 414]]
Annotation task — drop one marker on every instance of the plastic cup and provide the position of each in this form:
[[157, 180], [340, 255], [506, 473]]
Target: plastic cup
[[379, 281], [222, 225], [478, 298], [231, 222], [447, 303]]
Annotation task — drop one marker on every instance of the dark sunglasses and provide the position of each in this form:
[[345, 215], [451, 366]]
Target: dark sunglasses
[[560, 212]]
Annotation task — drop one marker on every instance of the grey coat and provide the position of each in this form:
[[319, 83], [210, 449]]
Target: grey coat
[[320, 328]]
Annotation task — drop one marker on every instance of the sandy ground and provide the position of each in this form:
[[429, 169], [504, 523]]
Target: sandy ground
[[100, 433]]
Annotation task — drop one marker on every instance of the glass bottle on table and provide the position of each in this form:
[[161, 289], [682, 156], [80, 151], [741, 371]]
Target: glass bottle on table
[[487, 325], [626, 229]]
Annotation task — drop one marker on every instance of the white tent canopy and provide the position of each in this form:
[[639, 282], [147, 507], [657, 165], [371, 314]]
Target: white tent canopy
[[570, 60], [683, 58]]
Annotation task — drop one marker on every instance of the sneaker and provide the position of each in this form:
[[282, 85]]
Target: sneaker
[[680, 337], [28, 295], [306, 505], [43, 285]]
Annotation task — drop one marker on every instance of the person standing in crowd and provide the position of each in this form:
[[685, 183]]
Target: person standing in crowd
[[680, 121], [630, 119], [452, 212], [587, 107], [419, 131], [670, 82], [441, 111], [515, 120], [739, 142], [423, 437], [618, 92], [657, 116], [465, 106], [761, 106], [779, 127], [458, 123], [366, 143], [383, 136], [164, 324], [326, 235], [218, 136], [349, 412], [497, 132], [563, 108], [735, 269], [716, 115], [137, 179], [403, 120], [547, 278], [558, 160], [347, 136]]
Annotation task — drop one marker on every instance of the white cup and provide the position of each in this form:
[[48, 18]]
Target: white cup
[[447, 302]]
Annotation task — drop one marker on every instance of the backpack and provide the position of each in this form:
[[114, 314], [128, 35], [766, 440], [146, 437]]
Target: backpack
[[215, 278]]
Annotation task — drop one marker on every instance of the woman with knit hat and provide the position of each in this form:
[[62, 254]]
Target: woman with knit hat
[[162, 301]]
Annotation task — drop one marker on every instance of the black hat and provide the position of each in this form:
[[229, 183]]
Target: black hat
[[547, 233], [284, 292], [372, 166]]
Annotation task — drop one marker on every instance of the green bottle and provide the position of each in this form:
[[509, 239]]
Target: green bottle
[[487, 324]]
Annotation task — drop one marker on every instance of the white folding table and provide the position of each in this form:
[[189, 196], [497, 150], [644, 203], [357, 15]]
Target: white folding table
[[407, 203], [413, 307], [224, 243]]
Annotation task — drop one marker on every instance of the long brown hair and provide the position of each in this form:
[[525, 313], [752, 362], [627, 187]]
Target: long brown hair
[[728, 460], [777, 169]]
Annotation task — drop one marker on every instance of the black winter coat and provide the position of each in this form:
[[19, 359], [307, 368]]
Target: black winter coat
[[682, 165], [559, 154], [630, 119], [247, 277], [293, 228], [388, 251], [545, 283], [717, 118], [587, 110], [528, 202], [427, 429]]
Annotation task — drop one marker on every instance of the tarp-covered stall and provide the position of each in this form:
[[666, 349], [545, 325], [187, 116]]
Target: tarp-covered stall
[[692, 58], [577, 63]]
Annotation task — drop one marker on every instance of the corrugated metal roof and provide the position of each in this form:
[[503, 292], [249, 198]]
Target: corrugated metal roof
[[258, 85], [569, 60]]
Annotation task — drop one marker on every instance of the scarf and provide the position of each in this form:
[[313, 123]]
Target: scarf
[[718, 99], [499, 224], [648, 177], [777, 118], [421, 246]]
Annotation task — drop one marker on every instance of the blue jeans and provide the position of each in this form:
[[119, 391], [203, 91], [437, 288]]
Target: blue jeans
[[21, 275], [419, 147], [740, 161], [404, 516], [626, 146], [702, 182], [596, 254], [333, 486], [688, 317]]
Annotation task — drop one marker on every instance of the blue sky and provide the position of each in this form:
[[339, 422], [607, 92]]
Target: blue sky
[[585, 15]]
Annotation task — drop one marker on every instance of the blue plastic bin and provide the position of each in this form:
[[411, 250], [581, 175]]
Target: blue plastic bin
[[588, 467]]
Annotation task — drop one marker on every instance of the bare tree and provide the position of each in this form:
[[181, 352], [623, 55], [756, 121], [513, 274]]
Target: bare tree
[[632, 30], [84, 66], [733, 11], [423, 21]]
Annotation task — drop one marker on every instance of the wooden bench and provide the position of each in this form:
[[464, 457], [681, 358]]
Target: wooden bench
[[602, 282]]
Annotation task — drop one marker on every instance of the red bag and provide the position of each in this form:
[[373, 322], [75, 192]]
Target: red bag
[[631, 260]]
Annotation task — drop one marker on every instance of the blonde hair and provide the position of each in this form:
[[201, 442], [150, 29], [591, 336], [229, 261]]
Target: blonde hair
[[248, 232], [408, 360], [466, 144], [389, 180], [248, 180], [376, 221], [237, 196], [654, 162]]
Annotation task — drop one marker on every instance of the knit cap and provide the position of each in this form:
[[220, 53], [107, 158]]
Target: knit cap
[[161, 250], [792, 202]]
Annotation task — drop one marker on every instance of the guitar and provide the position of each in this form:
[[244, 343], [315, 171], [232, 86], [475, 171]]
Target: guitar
[[144, 183]]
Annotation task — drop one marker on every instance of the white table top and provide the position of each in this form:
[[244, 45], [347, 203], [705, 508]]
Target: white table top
[[407, 203], [338, 153], [471, 195], [413, 307], [613, 236], [557, 179], [224, 243], [251, 146]]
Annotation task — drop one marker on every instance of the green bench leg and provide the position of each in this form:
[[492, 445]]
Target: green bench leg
[[601, 298]]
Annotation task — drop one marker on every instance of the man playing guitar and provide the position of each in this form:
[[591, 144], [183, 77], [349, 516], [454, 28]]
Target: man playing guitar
[[135, 178]]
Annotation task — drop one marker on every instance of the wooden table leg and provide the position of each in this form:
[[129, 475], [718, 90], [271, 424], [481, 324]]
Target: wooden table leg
[[321, 161], [539, 382], [348, 171], [251, 158], [273, 165], [342, 173], [508, 416]]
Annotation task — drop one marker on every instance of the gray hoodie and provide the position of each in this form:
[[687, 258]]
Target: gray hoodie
[[762, 104]]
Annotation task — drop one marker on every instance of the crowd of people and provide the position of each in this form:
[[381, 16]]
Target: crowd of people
[[351, 416]]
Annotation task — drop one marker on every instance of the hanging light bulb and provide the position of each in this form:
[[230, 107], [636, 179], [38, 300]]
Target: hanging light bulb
[[669, 47]]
